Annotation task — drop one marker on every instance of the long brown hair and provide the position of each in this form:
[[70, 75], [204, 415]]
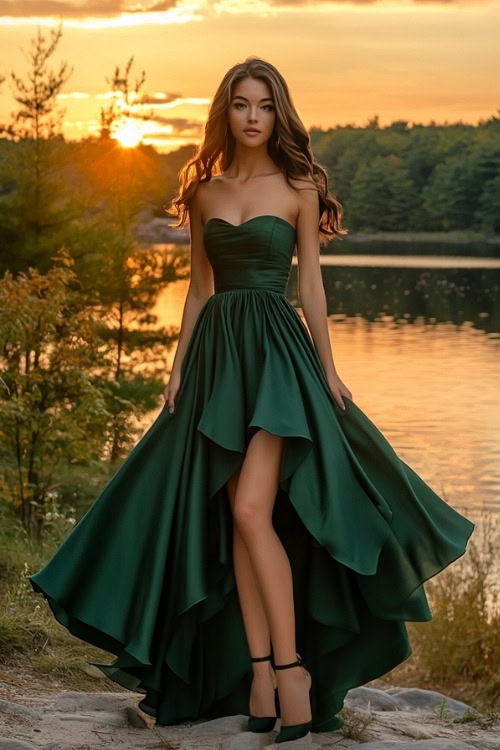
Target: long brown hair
[[292, 154]]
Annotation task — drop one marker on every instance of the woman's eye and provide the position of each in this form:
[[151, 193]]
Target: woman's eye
[[242, 104]]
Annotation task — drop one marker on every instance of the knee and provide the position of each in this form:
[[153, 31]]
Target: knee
[[247, 514]]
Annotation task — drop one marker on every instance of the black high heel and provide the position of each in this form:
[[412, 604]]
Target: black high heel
[[293, 731], [264, 723]]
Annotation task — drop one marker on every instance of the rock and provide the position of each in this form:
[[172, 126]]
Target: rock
[[378, 700], [303, 742], [224, 725], [73, 701], [135, 718], [417, 699], [17, 709], [111, 718], [94, 672], [247, 741], [374, 719], [159, 230], [436, 744]]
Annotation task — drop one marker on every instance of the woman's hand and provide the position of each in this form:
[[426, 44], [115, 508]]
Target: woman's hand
[[171, 389], [338, 390]]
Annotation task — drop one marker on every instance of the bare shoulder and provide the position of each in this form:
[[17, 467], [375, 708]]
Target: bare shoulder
[[202, 191], [304, 185], [202, 196], [307, 197], [305, 190], [199, 199]]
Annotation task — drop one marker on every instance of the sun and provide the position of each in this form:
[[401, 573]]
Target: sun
[[129, 134]]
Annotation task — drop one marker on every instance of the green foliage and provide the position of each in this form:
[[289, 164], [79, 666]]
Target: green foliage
[[418, 178], [78, 486], [489, 205], [86, 198], [35, 207], [52, 405], [451, 198], [124, 280], [392, 201]]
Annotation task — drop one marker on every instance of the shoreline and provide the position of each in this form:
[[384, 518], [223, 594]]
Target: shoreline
[[158, 231], [463, 237]]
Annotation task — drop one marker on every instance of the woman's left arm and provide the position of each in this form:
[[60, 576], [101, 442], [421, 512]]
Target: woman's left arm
[[311, 290]]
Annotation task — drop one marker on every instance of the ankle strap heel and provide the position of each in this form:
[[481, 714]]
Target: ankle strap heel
[[264, 723], [261, 658], [293, 731], [299, 663]]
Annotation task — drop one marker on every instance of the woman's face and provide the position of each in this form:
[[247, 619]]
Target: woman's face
[[251, 106]]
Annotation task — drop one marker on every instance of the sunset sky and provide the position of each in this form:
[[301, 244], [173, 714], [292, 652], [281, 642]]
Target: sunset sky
[[345, 62]]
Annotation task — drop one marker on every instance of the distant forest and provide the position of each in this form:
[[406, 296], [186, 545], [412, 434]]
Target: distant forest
[[415, 178]]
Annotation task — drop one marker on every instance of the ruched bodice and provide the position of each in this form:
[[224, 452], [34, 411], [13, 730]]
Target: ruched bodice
[[255, 254]]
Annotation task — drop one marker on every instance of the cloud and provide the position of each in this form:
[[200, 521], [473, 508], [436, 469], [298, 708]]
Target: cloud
[[113, 8], [67, 9], [73, 95], [159, 98], [317, 3], [178, 124]]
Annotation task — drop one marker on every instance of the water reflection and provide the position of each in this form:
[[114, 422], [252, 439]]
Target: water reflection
[[457, 295], [419, 349]]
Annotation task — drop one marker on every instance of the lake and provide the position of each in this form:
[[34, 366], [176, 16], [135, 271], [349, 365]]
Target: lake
[[417, 341]]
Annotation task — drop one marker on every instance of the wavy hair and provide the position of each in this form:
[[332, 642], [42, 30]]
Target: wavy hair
[[288, 146]]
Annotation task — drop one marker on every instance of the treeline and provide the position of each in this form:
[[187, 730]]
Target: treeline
[[399, 178], [415, 178]]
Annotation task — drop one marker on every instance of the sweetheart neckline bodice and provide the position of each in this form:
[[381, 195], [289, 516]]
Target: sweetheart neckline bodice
[[256, 254], [252, 218]]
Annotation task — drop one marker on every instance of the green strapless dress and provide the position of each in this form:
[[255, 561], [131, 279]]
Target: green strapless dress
[[147, 573]]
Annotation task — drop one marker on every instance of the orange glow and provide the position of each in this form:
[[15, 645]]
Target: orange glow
[[129, 134], [419, 61]]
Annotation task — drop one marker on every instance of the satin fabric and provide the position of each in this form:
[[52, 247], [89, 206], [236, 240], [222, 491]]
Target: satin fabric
[[147, 573]]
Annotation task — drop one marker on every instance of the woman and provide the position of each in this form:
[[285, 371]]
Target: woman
[[263, 512]]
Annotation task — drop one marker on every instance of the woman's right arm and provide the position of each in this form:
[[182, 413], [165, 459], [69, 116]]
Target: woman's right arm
[[201, 287]]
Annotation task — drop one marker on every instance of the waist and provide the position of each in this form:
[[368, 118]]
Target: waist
[[248, 289], [272, 279]]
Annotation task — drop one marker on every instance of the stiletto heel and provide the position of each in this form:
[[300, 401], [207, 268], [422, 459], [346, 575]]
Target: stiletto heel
[[264, 723], [293, 731]]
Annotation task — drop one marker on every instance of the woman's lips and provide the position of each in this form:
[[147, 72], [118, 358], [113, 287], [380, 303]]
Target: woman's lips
[[252, 132]]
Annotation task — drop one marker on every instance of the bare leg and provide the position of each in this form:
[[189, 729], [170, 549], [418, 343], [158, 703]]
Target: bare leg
[[264, 579], [254, 618]]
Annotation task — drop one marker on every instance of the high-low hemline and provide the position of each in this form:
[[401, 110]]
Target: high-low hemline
[[147, 573]]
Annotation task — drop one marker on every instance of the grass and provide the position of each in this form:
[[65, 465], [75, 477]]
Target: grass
[[37, 652], [356, 722], [458, 652], [486, 720]]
